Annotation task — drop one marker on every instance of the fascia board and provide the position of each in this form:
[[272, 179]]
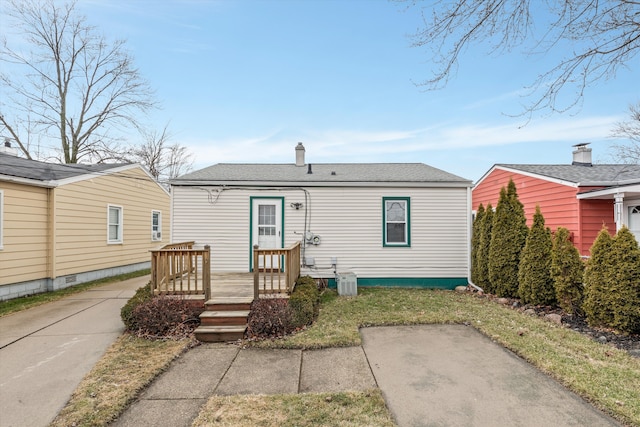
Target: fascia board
[[271, 184], [27, 181], [539, 176], [609, 191]]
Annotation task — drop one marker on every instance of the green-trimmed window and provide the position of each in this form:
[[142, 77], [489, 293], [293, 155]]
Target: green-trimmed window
[[396, 224]]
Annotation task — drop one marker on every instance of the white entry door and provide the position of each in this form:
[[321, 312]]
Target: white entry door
[[267, 228], [634, 221]]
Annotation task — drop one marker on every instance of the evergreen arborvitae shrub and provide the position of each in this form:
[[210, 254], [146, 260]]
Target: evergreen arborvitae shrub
[[508, 236], [567, 271], [625, 285], [534, 274], [475, 242], [597, 276], [482, 274]]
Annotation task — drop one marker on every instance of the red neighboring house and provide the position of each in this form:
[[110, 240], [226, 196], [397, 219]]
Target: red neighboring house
[[580, 197]]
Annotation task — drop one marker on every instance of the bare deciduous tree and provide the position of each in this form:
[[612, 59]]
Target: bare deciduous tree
[[596, 38], [164, 160], [68, 84], [630, 129]]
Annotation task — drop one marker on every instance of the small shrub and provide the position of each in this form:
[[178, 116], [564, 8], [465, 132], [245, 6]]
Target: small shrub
[[475, 243], [567, 271], [625, 284], [304, 302], [165, 317], [142, 294], [508, 237], [534, 275], [482, 275], [269, 317], [597, 276]]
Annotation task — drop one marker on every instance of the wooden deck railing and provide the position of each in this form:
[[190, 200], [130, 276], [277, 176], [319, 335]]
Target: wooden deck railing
[[179, 269], [275, 270]]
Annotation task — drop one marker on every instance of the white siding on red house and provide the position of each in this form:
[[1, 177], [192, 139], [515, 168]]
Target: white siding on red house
[[348, 221]]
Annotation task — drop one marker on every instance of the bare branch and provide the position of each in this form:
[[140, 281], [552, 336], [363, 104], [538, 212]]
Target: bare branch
[[73, 81], [630, 129], [596, 37]]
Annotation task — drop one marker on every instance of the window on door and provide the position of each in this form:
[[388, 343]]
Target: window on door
[[395, 218], [266, 220]]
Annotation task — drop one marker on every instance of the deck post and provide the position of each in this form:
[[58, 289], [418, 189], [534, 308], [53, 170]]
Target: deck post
[[256, 273], [206, 273]]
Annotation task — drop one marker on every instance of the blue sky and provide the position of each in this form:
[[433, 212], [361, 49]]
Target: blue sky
[[244, 81]]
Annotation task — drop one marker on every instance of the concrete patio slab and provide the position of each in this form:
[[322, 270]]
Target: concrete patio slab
[[451, 375]]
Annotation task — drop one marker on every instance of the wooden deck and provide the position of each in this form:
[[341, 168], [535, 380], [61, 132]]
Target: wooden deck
[[232, 285]]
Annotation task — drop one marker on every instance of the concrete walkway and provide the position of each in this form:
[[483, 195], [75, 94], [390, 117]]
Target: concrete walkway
[[430, 375], [47, 350]]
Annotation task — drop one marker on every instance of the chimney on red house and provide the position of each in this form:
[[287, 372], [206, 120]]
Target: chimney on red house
[[582, 155]]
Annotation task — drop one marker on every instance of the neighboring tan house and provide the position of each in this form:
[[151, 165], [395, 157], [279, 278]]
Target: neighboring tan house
[[581, 197], [389, 224], [61, 225]]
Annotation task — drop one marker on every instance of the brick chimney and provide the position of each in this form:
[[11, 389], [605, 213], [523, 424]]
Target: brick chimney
[[582, 155], [300, 154]]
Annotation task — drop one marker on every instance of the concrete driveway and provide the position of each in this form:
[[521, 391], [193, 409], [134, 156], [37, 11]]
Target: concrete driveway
[[47, 350], [451, 375]]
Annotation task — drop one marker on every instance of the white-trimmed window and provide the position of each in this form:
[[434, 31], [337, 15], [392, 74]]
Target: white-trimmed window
[[114, 226], [1, 218], [396, 226], [156, 225]]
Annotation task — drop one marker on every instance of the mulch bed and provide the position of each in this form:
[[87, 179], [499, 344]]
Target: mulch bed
[[628, 342]]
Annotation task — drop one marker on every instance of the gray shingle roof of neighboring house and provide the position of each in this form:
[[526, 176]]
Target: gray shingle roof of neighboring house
[[322, 173], [18, 167], [584, 175]]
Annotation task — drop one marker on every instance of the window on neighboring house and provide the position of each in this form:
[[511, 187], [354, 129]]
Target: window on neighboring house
[[156, 225], [114, 233], [1, 218], [396, 221]]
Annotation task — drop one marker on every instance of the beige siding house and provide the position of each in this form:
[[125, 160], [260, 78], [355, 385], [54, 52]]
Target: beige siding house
[[61, 225], [388, 224]]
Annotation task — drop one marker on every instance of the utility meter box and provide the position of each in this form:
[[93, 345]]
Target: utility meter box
[[347, 284]]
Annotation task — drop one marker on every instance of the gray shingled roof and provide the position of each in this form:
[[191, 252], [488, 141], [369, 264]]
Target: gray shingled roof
[[581, 174], [321, 173], [40, 171]]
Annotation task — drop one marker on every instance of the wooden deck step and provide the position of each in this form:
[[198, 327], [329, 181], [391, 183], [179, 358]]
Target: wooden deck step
[[224, 318], [228, 304], [220, 333]]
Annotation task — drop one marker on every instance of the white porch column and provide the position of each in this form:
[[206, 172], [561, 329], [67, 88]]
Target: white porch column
[[619, 210]]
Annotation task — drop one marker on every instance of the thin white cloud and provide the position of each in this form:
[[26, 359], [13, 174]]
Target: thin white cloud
[[347, 145], [483, 103]]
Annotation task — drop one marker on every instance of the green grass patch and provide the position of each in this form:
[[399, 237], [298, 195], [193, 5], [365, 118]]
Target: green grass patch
[[127, 367], [365, 408], [23, 303]]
